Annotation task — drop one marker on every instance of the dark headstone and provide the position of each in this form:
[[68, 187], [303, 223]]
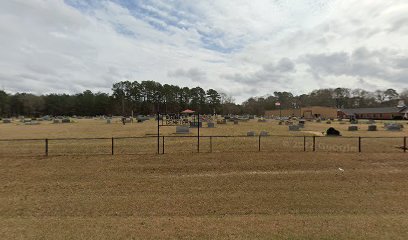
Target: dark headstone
[[251, 134], [263, 133], [394, 127], [294, 128], [372, 128], [182, 129], [6, 121]]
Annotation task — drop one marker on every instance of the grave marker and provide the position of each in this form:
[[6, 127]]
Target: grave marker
[[251, 134], [372, 128], [182, 130], [294, 128], [263, 133]]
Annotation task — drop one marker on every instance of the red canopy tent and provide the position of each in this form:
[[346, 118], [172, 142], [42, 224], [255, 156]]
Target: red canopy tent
[[188, 111]]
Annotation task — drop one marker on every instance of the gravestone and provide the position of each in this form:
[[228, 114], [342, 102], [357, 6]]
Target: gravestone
[[393, 127], [328, 122], [251, 134], [108, 121], [302, 123], [294, 128], [210, 125], [280, 122], [142, 118], [263, 133], [372, 128], [6, 120], [56, 121], [66, 120], [223, 121], [32, 123], [235, 122], [371, 121], [196, 124], [182, 129], [353, 128]]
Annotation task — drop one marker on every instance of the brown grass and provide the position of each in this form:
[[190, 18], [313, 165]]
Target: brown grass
[[236, 193], [98, 128], [205, 196]]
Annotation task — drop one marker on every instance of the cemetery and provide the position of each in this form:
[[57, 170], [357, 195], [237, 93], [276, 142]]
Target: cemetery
[[134, 172], [216, 133], [189, 161]]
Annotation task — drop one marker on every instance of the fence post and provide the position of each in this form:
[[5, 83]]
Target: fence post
[[314, 143], [198, 132], [259, 143], [46, 147], [405, 144], [163, 145], [210, 144], [304, 143], [113, 145], [359, 144], [158, 132]]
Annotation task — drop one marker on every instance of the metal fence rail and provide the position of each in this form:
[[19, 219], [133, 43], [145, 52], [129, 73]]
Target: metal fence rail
[[189, 144]]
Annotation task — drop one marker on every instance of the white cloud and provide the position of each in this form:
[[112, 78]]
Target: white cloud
[[240, 47]]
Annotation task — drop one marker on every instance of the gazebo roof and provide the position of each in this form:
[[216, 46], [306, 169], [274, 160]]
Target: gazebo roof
[[188, 111]]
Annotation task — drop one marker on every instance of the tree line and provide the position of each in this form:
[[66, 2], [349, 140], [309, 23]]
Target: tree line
[[328, 97], [145, 97], [149, 97]]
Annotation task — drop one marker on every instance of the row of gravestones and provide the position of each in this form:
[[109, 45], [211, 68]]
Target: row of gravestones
[[64, 120], [387, 126], [253, 134], [186, 129], [24, 121]]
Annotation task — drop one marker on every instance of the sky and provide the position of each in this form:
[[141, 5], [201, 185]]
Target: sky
[[239, 47]]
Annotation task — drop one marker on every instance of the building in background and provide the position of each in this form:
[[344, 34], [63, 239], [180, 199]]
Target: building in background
[[382, 113], [305, 112]]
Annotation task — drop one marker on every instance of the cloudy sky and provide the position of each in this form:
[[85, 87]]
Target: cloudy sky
[[240, 47]]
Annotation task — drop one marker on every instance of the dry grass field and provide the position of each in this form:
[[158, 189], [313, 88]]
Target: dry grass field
[[81, 192], [96, 128], [99, 128], [205, 196]]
